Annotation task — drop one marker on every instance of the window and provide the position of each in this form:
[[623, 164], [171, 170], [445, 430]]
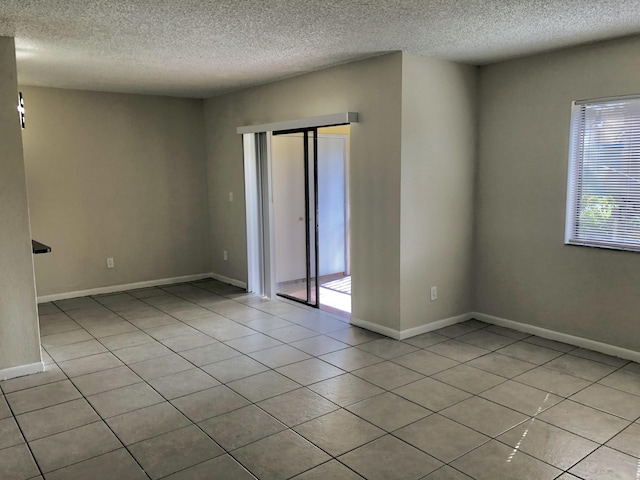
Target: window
[[603, 196]]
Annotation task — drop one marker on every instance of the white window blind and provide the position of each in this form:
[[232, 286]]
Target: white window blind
[[603, 197]]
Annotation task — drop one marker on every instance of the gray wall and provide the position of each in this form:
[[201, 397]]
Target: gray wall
[[19, 334], [371, 87], [114, 175], [524, 270], [438, 167]]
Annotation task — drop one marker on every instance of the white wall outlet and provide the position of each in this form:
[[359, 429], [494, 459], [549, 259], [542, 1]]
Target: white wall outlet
[[110, 263], [231, 196], [434, 293], [224, 255]]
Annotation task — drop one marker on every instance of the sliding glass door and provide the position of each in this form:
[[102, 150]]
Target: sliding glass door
[[295, 201]]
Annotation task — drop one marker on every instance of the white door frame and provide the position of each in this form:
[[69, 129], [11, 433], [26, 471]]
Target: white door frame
[[256, 141]]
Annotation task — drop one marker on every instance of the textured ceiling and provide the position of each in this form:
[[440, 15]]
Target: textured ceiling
[[200, 48]]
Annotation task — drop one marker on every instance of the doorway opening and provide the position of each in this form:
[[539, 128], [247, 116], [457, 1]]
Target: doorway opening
[[310, 234]]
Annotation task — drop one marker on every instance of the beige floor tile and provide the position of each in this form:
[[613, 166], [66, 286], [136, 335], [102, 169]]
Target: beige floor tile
[[624, 380], [387, 348], [66, 338], [338, 432], [267, 323], [487, 340], [599, 357], [387, 375], [57, 326], [298, 406], [447, 473], [580, 367], [183, 383], [170, 331], [469, 379], [16, 463], [382, 458], [552, 381], [522, 398], [279, 356], [118, 464], [585, 421], [345, 389], [528, 352], [253, 343], [174, 451], [124, 340], [202, 405], [432, 394], [157, 319], [320, 345], [627, 441], [607, 464], [293, 333], [235, 368], [610, 400], [142, 352], [208, 354], [263, 385], [494, 460], [484, 416], [147, 422], [426, 339], [110, 328], [501, 365], [354, 335], [56, 419], [9, 433], [388, 411], [309, 371], [105, 380], [240, 427], [280, 456], [124, 399], [161, 366], [459, 329], [72, 446], [222, 467], [441, 438], [550, 444], [188, 342], [552, 344], [51, 374], [4, 408], [41, 397], [332, 470], [94, 363], [350, 359], [76, 350], [507, 332], [426, 363], [458, 351]]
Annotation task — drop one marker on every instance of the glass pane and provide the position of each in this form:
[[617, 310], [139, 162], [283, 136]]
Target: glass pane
[[312, 217], [290, 216]]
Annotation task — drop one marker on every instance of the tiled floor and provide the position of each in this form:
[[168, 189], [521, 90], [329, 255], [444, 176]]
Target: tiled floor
[[201, 381]]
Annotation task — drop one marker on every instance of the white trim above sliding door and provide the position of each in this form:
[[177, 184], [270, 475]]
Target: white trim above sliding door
[[322, 121]]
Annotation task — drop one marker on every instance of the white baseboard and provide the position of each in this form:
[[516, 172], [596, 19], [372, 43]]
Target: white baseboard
[[230, 281], [561, 337], [410, 332], [21, 370], [120, 288], [445, 322], [374, 327]]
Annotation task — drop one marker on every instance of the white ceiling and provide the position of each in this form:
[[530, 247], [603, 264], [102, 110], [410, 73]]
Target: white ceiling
[[200, 48]]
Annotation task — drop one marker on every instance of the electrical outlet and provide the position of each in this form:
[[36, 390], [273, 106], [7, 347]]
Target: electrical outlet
[[434, 293], [110, 263], [231, 196], [224, 255]]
